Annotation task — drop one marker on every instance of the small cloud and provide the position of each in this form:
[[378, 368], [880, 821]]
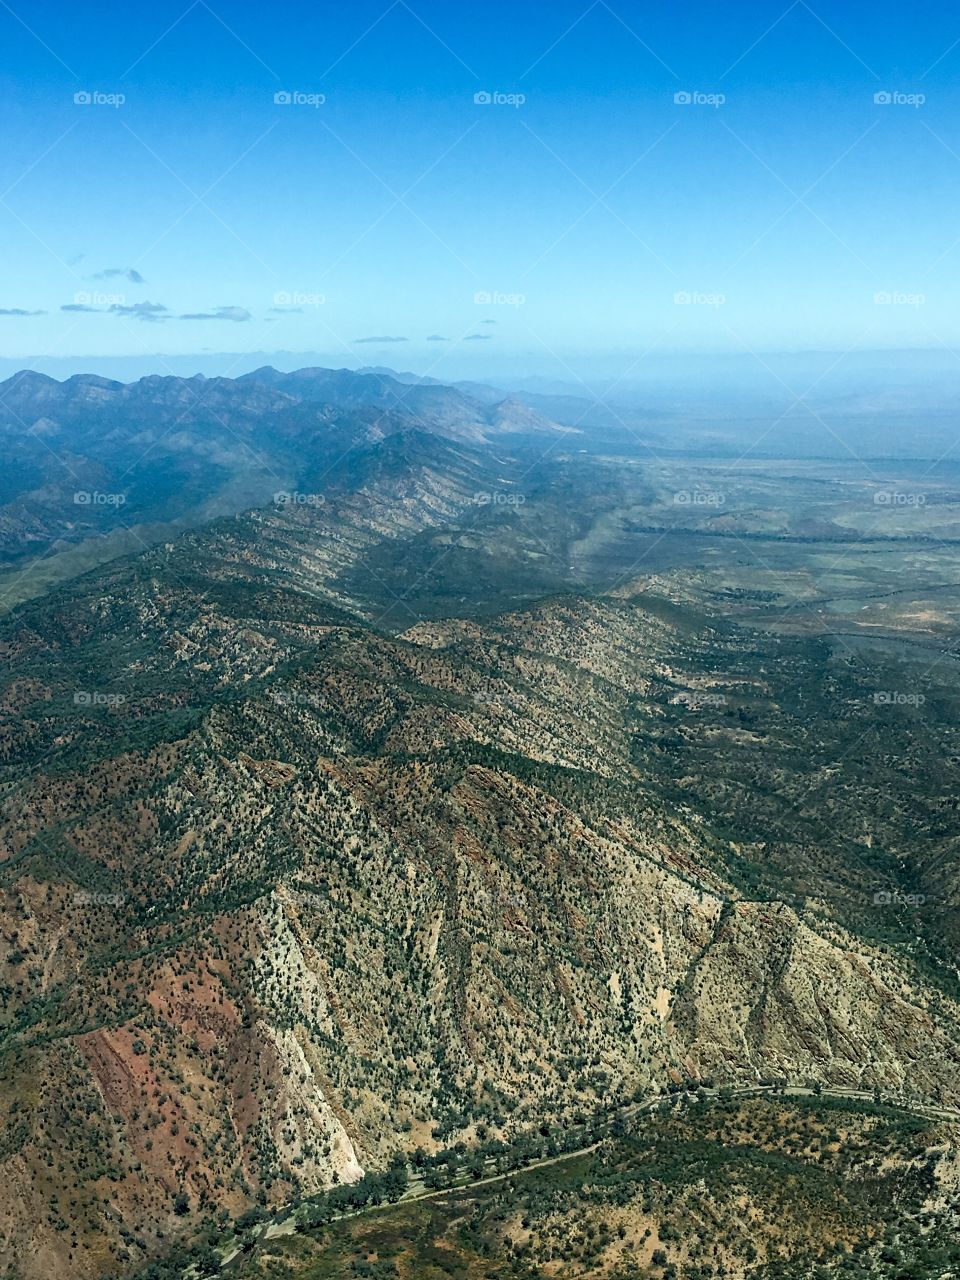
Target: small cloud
[[151, 311], [437, 337], [115, 273], [488, 322], [478, 337], [380, 338], [19, 311], [236, 314]]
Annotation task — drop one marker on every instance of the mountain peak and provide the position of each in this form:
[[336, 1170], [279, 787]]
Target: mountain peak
[[29, 380]]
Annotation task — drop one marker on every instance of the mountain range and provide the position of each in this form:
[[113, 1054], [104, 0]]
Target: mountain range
[[373, 819]]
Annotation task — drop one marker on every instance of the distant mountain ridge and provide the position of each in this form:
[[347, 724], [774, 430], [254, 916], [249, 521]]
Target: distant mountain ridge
[[92, 458]]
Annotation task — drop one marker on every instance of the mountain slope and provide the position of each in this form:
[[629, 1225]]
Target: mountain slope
[[284, 895]]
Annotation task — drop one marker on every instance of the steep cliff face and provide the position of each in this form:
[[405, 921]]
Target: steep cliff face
[[306, 895]]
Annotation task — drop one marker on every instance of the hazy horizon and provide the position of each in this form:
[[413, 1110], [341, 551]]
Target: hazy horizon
[[722, 369]]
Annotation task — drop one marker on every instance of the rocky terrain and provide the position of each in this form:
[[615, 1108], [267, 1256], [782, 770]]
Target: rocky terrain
[[355, 828], [285, 895], [781, 1186]]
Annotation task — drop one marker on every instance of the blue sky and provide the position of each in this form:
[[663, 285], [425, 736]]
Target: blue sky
[[782, 208]]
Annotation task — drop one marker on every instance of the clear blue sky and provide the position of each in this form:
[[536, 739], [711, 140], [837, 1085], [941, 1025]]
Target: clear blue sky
[[400, 198]]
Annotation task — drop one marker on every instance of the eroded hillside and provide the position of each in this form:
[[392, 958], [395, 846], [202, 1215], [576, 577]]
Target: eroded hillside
[[285, 895]]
